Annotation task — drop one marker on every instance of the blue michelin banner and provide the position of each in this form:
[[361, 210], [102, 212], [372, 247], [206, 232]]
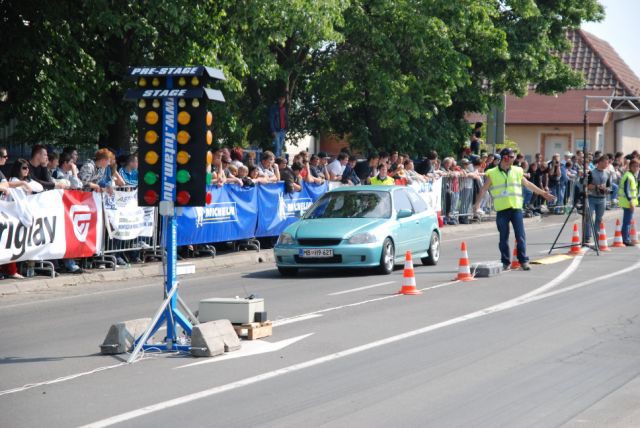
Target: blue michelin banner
[[231, 216], [237, 213]]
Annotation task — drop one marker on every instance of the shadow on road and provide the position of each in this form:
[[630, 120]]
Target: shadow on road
[[26, 360]]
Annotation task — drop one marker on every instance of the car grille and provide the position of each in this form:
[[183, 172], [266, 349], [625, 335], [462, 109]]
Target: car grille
[[319, 242], [318, 260]]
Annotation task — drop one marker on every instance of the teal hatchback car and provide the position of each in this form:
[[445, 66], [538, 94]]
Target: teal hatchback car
[[360, 227]]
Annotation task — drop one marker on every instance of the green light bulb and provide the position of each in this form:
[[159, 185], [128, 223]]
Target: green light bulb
[[183, 176], [150, 178]]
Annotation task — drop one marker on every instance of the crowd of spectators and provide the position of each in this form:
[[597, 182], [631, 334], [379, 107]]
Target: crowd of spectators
[[46, 170]]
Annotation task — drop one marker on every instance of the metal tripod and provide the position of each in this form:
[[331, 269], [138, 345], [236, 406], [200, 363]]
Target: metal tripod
[[586, 217]]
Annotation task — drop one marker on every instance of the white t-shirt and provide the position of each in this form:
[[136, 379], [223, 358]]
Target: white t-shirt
[[336, 168], [35, 186]]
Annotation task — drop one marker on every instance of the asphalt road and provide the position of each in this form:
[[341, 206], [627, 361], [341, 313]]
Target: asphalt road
[[556, 346]]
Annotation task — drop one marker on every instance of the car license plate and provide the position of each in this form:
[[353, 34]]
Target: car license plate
[[316, 252]]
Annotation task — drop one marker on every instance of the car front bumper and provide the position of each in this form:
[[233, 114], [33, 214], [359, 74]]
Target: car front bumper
[[344, 256]]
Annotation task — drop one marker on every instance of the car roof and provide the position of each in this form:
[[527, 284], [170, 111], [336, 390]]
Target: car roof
[[366, 188]]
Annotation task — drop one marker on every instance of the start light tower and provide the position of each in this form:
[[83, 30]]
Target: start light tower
[[175, 134]]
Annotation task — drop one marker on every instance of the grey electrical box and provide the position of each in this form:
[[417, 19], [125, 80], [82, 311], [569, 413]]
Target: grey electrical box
[[238, 311], [486, 269]]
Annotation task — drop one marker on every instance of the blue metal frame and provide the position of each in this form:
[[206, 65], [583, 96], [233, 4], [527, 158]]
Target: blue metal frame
[[171, 316]]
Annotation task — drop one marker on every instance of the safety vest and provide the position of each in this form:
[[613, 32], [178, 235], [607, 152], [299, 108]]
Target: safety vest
[[506, 188], [387, 181], [633, 188]]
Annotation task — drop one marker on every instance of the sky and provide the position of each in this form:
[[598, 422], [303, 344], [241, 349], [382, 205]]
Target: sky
[[619, 29]]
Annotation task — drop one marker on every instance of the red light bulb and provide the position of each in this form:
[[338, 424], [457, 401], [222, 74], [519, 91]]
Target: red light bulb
[[183, 197], [150, 197]]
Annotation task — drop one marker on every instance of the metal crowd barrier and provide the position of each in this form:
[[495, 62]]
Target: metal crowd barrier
[[141, 248], [458, 197]]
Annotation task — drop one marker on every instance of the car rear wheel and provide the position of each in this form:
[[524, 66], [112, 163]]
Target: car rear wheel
[[285, 271], [434, 250], [387, 258]]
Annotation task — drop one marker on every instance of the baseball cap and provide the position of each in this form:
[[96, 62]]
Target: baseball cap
[[323, 155], [497, 156], [464, 160], [568, 153], [506, 152]]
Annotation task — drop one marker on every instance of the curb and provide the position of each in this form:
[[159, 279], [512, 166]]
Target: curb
[[151, 270]]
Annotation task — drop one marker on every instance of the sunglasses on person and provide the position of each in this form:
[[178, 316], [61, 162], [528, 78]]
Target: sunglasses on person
[[25, 168], [5, 156]]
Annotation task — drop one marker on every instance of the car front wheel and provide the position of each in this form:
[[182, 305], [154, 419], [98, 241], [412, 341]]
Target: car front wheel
[[434, 250], [387, 257]]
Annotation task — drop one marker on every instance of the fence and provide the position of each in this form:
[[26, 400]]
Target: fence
[[101, 228]]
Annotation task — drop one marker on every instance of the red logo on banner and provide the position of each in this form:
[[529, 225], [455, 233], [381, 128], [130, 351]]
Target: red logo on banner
[[80, 217]]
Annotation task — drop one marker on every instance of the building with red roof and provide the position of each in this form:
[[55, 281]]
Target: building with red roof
[[554, 124]]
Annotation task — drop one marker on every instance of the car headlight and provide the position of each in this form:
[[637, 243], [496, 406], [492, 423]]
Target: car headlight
[[285, 239], [362, 238]]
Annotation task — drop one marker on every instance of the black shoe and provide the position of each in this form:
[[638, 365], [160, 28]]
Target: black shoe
[[525, 266], [77, 271], [629, 244], [506, 267]]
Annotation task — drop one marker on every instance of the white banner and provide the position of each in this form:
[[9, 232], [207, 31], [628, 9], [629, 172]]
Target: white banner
[[50, 225], [125, 219], [431, 192]]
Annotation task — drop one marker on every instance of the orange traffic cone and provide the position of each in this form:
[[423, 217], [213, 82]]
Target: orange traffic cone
[[515, 263], [464, 271], [576, 249], [617, 237], [633, 234], [408, 277], [602, 238]]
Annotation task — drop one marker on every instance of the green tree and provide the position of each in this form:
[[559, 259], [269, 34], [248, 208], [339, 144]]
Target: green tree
[[64, 62], [268, 47], [408, 71]]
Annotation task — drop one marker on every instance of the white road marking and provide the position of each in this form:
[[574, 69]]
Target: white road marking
[[60, 379], [293, 319], [353, 290], [250, 348], [532, 296], [310, 315]]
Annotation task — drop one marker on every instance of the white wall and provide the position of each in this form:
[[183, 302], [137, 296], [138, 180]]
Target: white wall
[[308, 143], [628, 135]]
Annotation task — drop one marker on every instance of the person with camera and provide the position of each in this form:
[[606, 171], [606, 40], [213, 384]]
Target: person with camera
[[598, 187], [555, 183]]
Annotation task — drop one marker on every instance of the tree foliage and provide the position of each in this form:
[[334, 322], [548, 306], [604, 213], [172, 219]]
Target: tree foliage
[[393, 74]]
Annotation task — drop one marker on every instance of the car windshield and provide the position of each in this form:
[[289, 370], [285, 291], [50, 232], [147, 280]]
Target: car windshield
[[351, 205]]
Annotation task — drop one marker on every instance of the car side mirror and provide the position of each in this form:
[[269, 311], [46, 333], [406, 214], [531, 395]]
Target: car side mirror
[[404, 214]]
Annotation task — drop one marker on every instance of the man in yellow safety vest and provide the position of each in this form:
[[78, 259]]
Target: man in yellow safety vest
[[628, 198], [504, 183]]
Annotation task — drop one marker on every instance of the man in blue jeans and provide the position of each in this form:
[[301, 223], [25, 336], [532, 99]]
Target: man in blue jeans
[[598, 187], [278, 123], [505, 184]]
